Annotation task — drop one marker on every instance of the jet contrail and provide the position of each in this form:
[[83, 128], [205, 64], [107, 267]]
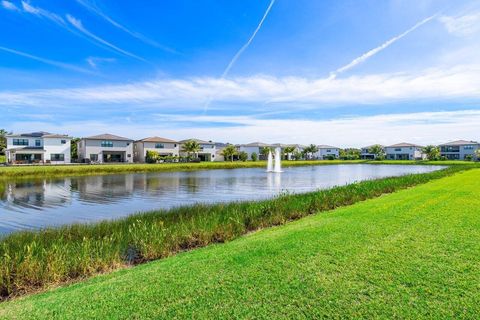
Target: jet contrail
[[242, 49], [47, 61], [376, 50]]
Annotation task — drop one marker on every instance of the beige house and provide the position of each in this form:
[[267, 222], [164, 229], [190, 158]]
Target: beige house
[[163, 146], [105, 148]]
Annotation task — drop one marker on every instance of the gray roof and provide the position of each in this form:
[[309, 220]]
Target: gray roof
[[197, 140], [459, 143], [368, 147], [157, 139], [39, 134], [256, 144], [324, 146], [404, 145], [27, 148], [107, 136]]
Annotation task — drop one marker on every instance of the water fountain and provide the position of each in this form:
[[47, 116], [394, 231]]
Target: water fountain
[[278, 165], [270, 162]]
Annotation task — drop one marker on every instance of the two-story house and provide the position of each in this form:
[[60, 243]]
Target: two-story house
[[105, 148], [459, 150], [207, 149], [404, 151], [366, 153], [162, 146], [38, 147], [325, 152], [254, 147]]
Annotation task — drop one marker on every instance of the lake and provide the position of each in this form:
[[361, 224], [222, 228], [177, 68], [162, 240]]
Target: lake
[[40, 203]]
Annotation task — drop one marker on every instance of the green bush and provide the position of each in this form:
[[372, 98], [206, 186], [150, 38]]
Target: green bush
[[254, 156]]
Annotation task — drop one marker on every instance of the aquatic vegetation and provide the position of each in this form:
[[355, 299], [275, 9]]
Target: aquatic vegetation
[[34, 260]]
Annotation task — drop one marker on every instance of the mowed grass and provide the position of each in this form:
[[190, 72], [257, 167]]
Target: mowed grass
[[77, 170], [3, 159], [410, 254]]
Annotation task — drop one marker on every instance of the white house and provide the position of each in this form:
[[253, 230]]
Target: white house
[[163, 146], [105, 148], [404, 151], [38, 147], [459, 150], [207, 151], [367, 155], [254, 147], [324, 152]]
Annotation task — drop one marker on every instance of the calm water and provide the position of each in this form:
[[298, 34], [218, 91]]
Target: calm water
[[40, 203]]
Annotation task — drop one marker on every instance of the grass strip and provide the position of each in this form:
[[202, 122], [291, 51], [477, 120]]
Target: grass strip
[[34, 260], [48, 171]]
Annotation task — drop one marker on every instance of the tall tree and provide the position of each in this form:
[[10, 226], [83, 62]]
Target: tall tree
[[288, 151], [350, 154], [264, 151], [432, 152], [191, 146], [229, 151], [309, 151], [3, 140], [378, 151], [74, 148]]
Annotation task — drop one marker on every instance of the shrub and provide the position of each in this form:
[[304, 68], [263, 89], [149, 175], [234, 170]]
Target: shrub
[[254, 156], [152, 156], [243, 156]]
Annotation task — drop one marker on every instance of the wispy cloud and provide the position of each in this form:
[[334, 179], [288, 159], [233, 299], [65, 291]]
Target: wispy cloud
[[9, 6], [95, 61], [242, 49], [462, 25], [42, 13], [77, 23], [435, 84], [47, 61], [92, 7], [419, 127], [364, 57]]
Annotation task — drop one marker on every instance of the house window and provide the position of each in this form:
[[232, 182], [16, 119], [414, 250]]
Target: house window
[[64, 141], [159, 146], [94, 157], [328, 150], [468, 147], [57, 157], [38, 143], [398, 149], [129, 155], [20, 142], [175, 145], [107, 144]]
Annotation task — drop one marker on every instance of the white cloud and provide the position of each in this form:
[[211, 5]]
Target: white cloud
[[434, 84], [9, 6], [77, 23], [95, 61], [364, 57], [94, 8], [463, 25], [43, 13], [46, 61], [422, 128]]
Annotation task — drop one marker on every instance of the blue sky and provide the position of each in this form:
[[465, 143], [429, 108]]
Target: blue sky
[[349, 73]]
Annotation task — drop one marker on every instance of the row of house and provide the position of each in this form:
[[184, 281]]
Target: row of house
[[455, 150], [44, 147]]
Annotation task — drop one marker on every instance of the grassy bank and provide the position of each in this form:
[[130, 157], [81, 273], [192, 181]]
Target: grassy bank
[[408, 255], [35, 260], [3, 159], [77, 170]]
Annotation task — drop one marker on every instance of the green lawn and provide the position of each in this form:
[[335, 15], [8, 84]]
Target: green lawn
[[410, 254], [76, 170]]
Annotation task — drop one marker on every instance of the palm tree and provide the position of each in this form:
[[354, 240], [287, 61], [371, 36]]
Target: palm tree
[[289, 150], [191, 146], [229, 152], [432, 152], [264, 152], [477, 153], [378, 151], [309, 151]]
